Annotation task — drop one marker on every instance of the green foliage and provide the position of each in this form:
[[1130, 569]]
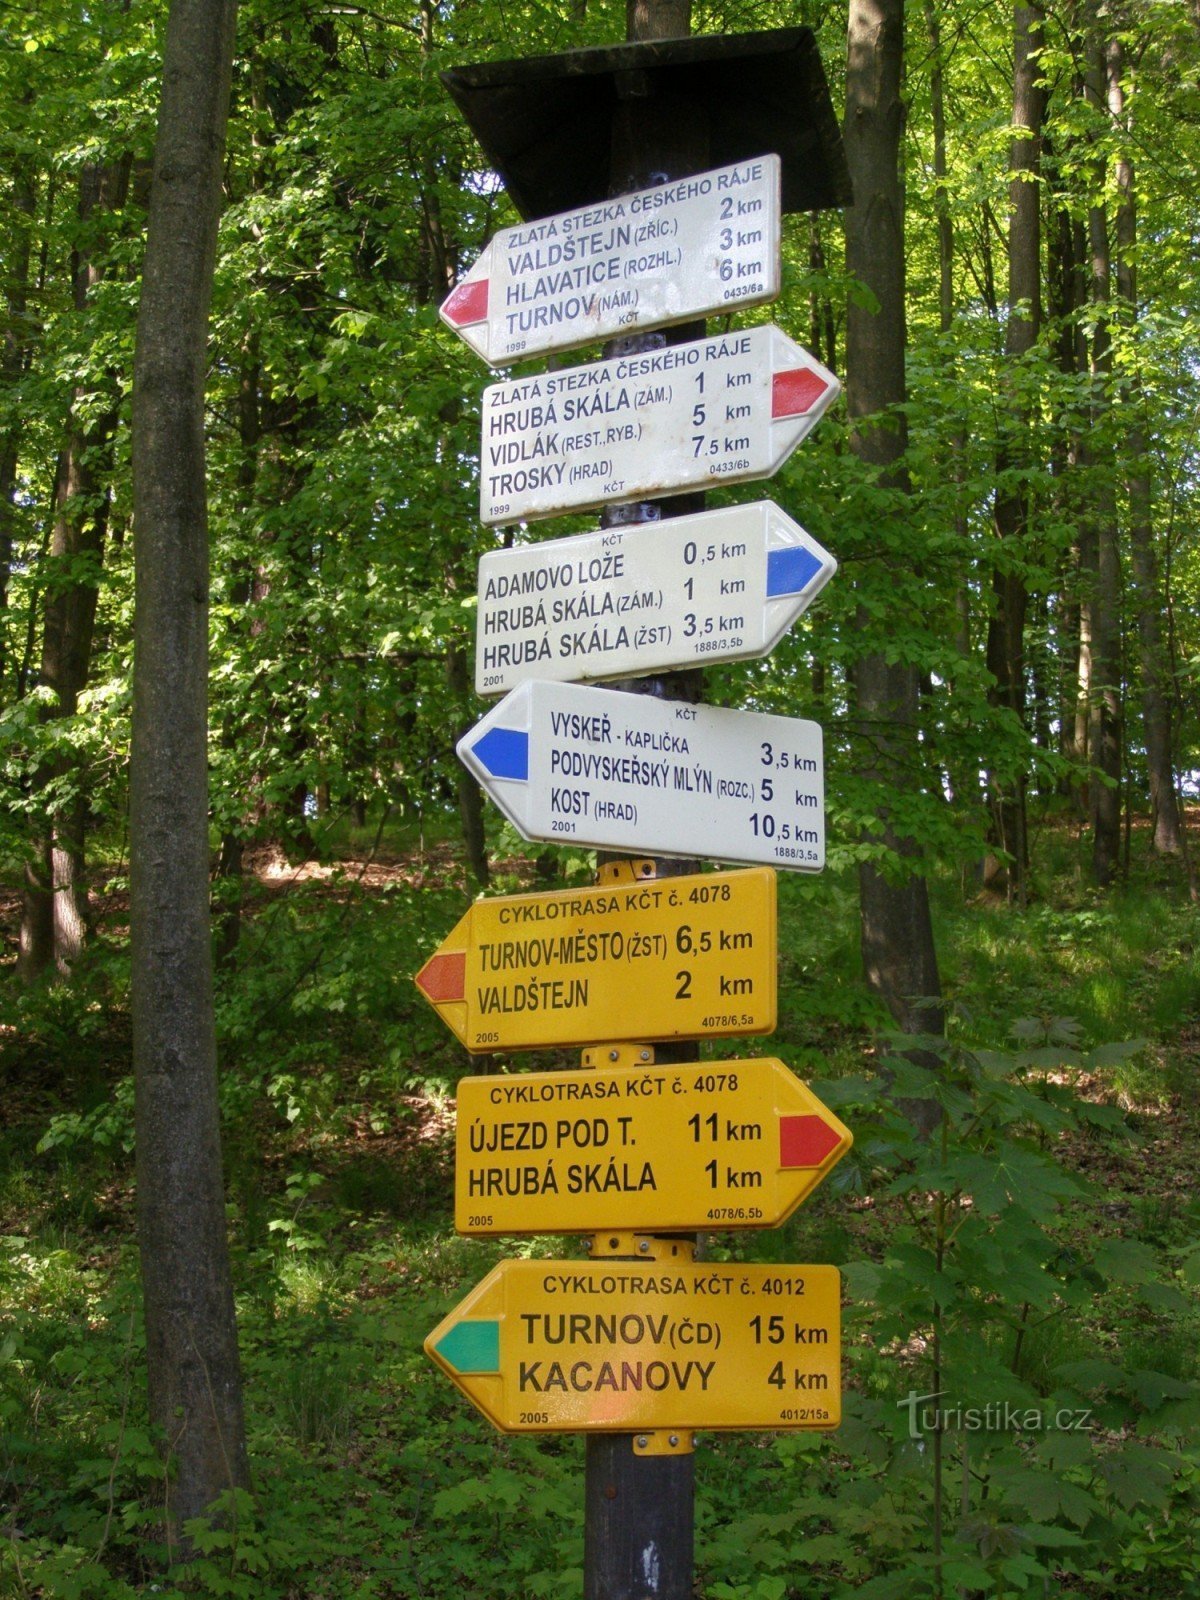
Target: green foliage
[[999, 1262], [1039, 1251], [1027, 1463]]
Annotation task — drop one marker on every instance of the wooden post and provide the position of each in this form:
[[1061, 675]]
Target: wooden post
[[639, 1510]]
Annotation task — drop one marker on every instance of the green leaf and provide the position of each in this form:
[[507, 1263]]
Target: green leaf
[[1190, 1265], [1027, 1028], [1046, 1495], [1094, 1373], [1116, 1053], [1138, 1475], [1152, 1388], [1051, 1538], [861, 1279], [1126, 1261], [1062, 1448], [1014, 1175], [1164, 1298]]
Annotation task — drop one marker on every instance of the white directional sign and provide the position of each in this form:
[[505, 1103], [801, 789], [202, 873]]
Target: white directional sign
[[623, 601], [686, 249], [657, 777], [685, 417]]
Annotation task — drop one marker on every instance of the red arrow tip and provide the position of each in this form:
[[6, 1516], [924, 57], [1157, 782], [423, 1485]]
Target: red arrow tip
[[468, 303], [806, 1141], [792, 392], [444, 976]]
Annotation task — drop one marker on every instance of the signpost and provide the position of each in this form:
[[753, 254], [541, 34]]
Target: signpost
[[720, 586], [653, 1341], [677, 958], [689, 416], [730, 1144], [681, 250], [629, 772], [612, 1345]]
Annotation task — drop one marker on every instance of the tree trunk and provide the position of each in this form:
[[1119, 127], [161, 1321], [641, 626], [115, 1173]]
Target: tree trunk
[[470, 796], [14, 344], [54, 913], [897, 931], [229, 888], [1148, 599], [1006, 626], [1066, 293], [191, 1333], [945, 233], [1102, 596]]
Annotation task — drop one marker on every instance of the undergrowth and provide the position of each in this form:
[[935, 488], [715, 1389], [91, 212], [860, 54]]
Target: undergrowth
[[1038, 1253]]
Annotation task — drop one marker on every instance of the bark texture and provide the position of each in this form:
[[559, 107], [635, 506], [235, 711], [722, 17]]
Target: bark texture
[[54, 912], [945, 230], [897, 932], [191, 1337], [1148, 599], [1066, 294], [1006, 626], [14, 342], [1102, 595]]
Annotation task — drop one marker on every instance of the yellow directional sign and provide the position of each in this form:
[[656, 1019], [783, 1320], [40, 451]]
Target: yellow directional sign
[[627, 1345], [666, 959], [734, 1144]]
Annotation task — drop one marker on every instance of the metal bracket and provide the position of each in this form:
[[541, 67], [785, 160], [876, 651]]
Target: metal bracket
[[661, 1443], [634, 869], [645, 1247], [639, 1247], [618, 1055]]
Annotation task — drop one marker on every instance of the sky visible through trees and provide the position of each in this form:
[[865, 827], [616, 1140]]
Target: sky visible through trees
[[1038, 579]]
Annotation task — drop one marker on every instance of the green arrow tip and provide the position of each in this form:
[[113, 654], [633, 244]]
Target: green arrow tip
[[472, 1346]]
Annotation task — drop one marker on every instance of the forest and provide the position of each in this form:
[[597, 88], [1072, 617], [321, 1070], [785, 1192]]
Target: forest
[[994, 983]]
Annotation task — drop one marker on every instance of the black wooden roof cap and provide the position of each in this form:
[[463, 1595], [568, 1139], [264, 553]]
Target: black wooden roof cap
[[545, 122]]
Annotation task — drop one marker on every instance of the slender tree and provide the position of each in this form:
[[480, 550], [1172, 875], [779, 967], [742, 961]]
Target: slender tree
[[14, 275], [191, 1337], [1147, 592], [1066, 285], [1102, 595], [1006, 626], [54, 913], [897, 931], [945, 240]]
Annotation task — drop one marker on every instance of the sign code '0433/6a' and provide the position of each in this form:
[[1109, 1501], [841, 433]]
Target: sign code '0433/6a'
[[643, 260]]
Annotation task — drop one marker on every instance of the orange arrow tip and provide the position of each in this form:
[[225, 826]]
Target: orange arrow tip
[[467, 303], [444, 976]]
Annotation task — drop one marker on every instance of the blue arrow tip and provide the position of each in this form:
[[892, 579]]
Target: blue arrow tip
[[790, 570], [504, 752]]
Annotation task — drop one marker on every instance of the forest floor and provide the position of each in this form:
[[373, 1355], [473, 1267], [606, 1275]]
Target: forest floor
[[1046, 1253]]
